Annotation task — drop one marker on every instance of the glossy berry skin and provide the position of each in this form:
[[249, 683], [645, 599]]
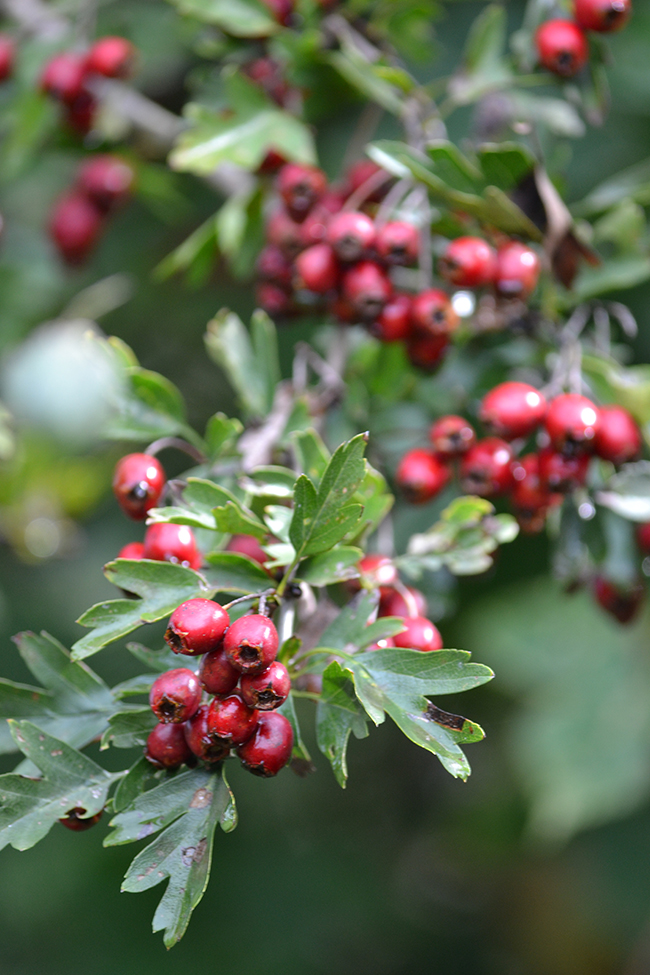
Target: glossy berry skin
[[421, 475], [166, 746], [452, 436], [197, 626], [426, 351], [132, 550], [73, 819], [300, 187], [620, 601], [200, 741], [643, 537], [392, 603], [517, 270], [398, 242], [394, 322], [216, 674], [561, 47], [367, 288], [432, 313], [272, 265], [618, 438], [175, 695], [112, 57], [351, 235], [572, 423], [317, 269], [268, 690], [63, 76], [313, 229], [247, 545], [377, 570], [558, 472], [231, 720], [251, 643], [172, 543], [107, 180], [269, 749], [485, 468], [75, 225], [138, 483], [419, 633], [7, 56], [603, 16], [513, 410], [386, 643], [468, 262]]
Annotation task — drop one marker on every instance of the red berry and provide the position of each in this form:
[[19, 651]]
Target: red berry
[[468, 262], [113, 57], [384, 644], [398, 242], [560, 473], [432, 313], [394, 322], [268, 690], [201, 742], [175, 695], [284, 233], [377, 570], [513, 410], [282, 10], [272, 161], [217, 674], [485, 468], [247, 545], [107, 180], [392, 603], [75, 226], [621, 601], [618, 438], [80, 114], [517, 270], [317, 269], [530, 497], [166, 746], [132, 550], [7, 56], [63, 76], [172, 543], [452, 436], [300, 187], [269, 75], [351, 235], [572, 423], [360, 173], [421, 475], [231, 720], [643, 537], [251, 643], [419, 633], [313, 229], [76, 819], [272, 265], [561, 47], [367, 288], [270, 747], [426, 351], [273, 299], [602, 15], [197, 626], [138, 483]]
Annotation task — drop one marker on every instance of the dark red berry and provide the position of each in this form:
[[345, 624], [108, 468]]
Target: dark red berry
[[166, 746], [284, 233], [367, 288], [63, 76], [393, 603], [76, 819], [197, 626], [421, 475], [133, 551], [106, 179], [172, 543], [282, 10], [394, 322], [247, 545], [603, 16], [201, 742], [272, 161], [398, 242], [317, 269], [351, 235], [485, 468], [530, 497], [269, 75], [80, 114], [175, 695], [113, 57], [517, 270], [620, 601], [7, 56], [272, 265], [426, 351], [432, 313], [512, 410], [313, 229], [468, 262], [452, 436], [270, 747], [561, 47], [138, 483], [377, 570], [268, 690], [75, 226], [275, 300], [251, 643], [217, 674], [618, 438], [557, 472], [643, 537], [300, 187], [231, 720], [572, 423], [419, 633]]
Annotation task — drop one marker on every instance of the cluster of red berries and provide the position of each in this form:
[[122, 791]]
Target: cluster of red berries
[[245, 682], [562, 45], [573, 429], [103, 183], [419, 633]]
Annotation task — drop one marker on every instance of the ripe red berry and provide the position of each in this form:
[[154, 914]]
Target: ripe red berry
[[485, 468], [166, 746], [426, 351], [618, 438], [201, 742], [317, 269], [272, 265], [620, 601], [172, 543], [76, 819], [251, 643], [398, 242], [433, 313], [561, 47], [175, 695], [392, 603], [377, 570], [394, 322], [269, 75], [268, 690], [113, 57], [63, 76], [284, 233], [512, 410], [231, 720], [276, 301], [421, 475], [216, 674], [247, 545], [300, 187], [468, 262], [270, 747], [138, 483], [517, 270], [106, 179], [530, 497], [367, 288], [643, 537], [558, 472], [603, 16], [419, 633], [351, 235], [75, 225], [360, 173], [132, 550], [80, 114], [452, 436], [383, 644], [7, 56], [196, 626], [282, 10], [313, 229], [572, 423]]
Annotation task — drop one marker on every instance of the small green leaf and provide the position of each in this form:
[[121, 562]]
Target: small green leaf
[[221, 434], [196, 255], [334, 566], [311, 453], [136, 781], [158, 660], [337, 715], [348, 629], [241, 18], [505, 164], [129, 728], [628, 492], [236, 573], [230, 345], [301, 762]]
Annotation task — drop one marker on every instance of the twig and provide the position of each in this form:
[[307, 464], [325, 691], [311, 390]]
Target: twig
[[256, 445], [163, 443]]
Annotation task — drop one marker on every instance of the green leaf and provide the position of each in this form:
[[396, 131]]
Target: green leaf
[[241, 18], [233, 519], [505, 164], [29, 807], [348, 630], [196, 255], [250, 363], [375, 497], [236, 573], [483, 67], [136, 781], [615, 274], [150, 406], [334, 566], [221, 435], [158, 660], [628, 492], [301, 762], [240, 230], [629, 386], [209, 505], [311, 453], [453, 168], [366, 78], [632, 183], [270, 482], [129, 728], [337, 715]]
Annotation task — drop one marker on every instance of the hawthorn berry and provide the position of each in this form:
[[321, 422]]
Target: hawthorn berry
[[433, 313], [516, 270], [7, 56], [172, 543], [351, 235], [200, 741], [300, 187], [398, 242], [394, 322], [167, 747], [313, 229], [282, 10], [561, 47], [426, 351], [269, 75], [106, 179], [75, 225], [485, 468], [383, 644], [272, 265], [362, 172], [276, 301], [512, 410], [76, 819], [268, 690], [270, 747], [618, 438], [377, 570], [529, 496], [643, 537], [132, 550], [317, 269], [251, 643], [419, 633], [622, 601], [247, 545], [421, 475], [603, 16], [468, 262], [80, 114], [284, 233], [452, 436], [557, 472], [175, 695], [113, 57], [231, 719], [196, 626], [63, 76], [216, 674], [138, 483], [393, 603], [367, 288], [572, 423]]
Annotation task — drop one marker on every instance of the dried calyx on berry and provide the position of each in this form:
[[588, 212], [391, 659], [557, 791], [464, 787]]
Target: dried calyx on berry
[[197, 626], [138, 483], [251, 643]]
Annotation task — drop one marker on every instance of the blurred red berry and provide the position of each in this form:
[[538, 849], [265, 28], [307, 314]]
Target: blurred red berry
[[138, 483], [351, 235], [300, 187], [468, 262], [572, 423], [603, 16], [421, 475], [433, 313], [172, 543], [113, 57], [452, 436], [394, 322], [367, 288], [133, 551], [7, 56], [618, 438], [317, 269], [485, 468], [561, 47], [419, 633], [106, 179], [398, 242], [517, 270], [75, 226], [63, 76], [512, 410]]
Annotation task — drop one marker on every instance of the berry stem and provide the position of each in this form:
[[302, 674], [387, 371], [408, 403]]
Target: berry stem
[[163, 443], [249, 598]]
